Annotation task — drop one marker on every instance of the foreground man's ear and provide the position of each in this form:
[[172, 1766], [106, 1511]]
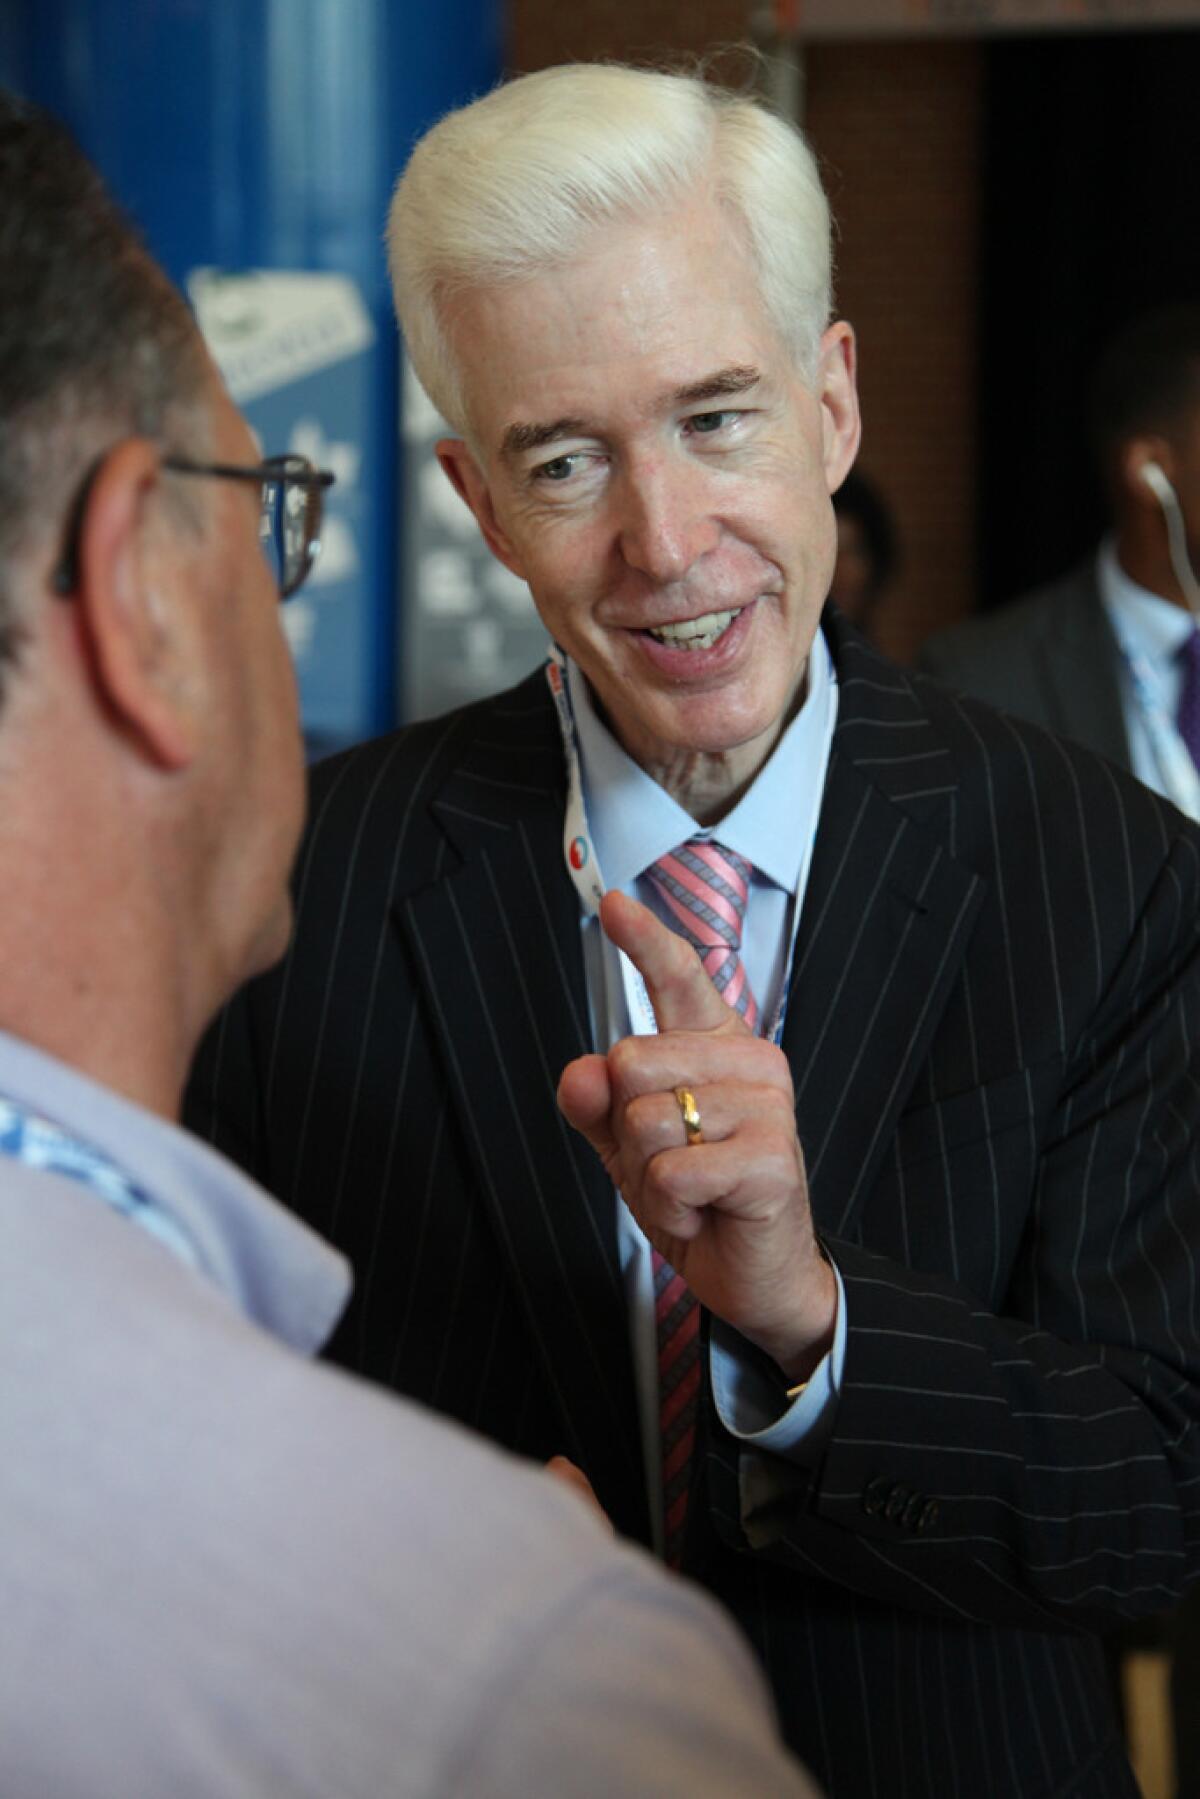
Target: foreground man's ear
[[467, 479], [837, 390], [131, 638]]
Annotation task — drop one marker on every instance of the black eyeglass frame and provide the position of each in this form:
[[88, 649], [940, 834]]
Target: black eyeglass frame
[[286, 471]]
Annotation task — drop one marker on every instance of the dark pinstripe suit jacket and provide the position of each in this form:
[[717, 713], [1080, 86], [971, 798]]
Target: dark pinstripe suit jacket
[[993, 1034]]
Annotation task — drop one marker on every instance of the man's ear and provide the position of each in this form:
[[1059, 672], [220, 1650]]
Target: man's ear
[[132, 641], [1132, 458], [837, 391], [467, 479]]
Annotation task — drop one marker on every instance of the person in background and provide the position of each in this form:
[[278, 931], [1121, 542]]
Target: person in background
[[1110, 654], [866, 550], [224, 1570], [864, 1285]]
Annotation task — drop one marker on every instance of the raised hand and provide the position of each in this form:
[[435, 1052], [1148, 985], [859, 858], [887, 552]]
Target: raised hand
[[730, 1213]]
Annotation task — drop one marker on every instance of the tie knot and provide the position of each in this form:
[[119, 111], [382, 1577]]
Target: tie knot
[[705, 887]]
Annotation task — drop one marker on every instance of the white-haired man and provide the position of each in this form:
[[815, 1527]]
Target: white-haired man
[[224, 1571], [939, 1015]]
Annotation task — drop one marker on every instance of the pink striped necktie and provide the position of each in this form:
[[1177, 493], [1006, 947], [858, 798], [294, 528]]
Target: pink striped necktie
[[704, 888]]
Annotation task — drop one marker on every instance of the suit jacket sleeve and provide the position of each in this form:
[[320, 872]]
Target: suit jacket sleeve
[[1032, 1460]]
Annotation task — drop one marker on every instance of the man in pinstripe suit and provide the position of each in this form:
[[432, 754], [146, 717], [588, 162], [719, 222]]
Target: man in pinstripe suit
[[948, 1418]]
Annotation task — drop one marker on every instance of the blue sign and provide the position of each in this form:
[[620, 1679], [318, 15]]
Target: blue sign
[[298, 354]]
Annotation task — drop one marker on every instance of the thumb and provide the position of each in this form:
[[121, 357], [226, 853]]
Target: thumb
[[683, 997], [585, 1101]]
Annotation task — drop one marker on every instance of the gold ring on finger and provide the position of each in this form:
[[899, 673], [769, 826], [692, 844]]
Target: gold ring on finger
[[689, 1112]]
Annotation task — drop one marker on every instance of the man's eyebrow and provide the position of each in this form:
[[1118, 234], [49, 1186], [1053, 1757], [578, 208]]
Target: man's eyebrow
[[735, 380], [533, 437]]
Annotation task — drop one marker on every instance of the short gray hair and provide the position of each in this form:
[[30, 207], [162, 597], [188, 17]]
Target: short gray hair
[[95, 343], [516, 183]]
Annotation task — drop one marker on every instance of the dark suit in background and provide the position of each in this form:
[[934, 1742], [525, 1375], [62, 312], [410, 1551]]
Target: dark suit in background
[[991, 1032], [1050, 657]]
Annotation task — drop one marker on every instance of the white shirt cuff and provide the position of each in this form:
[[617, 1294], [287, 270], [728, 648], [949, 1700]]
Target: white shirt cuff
[[749, 1398]]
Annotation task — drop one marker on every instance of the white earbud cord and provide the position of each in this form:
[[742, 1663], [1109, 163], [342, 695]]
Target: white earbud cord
[[1181, 562]]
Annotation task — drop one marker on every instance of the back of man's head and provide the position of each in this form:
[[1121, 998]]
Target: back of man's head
[[519, 181], [95, 343], [1147, 381], [151, 775]]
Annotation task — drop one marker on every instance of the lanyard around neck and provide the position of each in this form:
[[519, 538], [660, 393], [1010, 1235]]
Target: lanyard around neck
[[31, 1138]]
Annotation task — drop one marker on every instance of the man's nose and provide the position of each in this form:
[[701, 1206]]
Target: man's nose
[[665, 520]]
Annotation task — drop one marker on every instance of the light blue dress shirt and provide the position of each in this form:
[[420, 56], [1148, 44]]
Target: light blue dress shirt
[[1158, 630], [632, 822]]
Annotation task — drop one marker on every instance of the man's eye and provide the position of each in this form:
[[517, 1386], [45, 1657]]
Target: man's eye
[[705, 423], [559, 468]]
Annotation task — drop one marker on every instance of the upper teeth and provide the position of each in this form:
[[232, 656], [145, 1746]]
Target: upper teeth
[[695, 633]]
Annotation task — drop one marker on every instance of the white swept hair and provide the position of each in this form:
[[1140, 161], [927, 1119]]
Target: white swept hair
[[517, 182]]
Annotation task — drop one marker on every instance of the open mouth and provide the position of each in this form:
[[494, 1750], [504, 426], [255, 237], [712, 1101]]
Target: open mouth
[[695, 633]]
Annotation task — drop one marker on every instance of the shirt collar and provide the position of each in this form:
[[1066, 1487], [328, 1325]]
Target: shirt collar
[[633, 821], [1158, 627], [269, 1264]]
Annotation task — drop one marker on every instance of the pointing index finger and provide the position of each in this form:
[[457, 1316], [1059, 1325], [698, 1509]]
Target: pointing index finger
[[683, 997]]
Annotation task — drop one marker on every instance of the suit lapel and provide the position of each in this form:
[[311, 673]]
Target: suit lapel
[[887, 916], [496, 943]]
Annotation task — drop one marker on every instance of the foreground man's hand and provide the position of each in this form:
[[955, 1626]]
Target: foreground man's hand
[[564, 1470], [730, 1214]]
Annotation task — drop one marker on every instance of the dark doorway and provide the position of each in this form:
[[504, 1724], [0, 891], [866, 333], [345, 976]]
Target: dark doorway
[[1091, 214]]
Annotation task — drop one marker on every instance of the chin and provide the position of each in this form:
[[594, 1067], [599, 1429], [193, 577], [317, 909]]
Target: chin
[[719, 731]]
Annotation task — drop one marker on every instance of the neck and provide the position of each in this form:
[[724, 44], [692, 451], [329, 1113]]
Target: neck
[[1146, 559], [109, 1059], [96, 967], [708, 785], [107, 957], [115, 1029]]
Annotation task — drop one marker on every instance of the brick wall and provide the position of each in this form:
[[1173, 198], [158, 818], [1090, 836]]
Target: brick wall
[[896, 127], [541, 32]]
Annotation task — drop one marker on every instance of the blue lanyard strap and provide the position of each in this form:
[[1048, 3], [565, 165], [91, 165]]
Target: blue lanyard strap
[[37, 1141]]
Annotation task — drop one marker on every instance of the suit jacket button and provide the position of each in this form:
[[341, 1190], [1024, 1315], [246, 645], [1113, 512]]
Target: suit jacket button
[[910, 1516], [875, 1495], [897, 1499], [929, 1514]]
